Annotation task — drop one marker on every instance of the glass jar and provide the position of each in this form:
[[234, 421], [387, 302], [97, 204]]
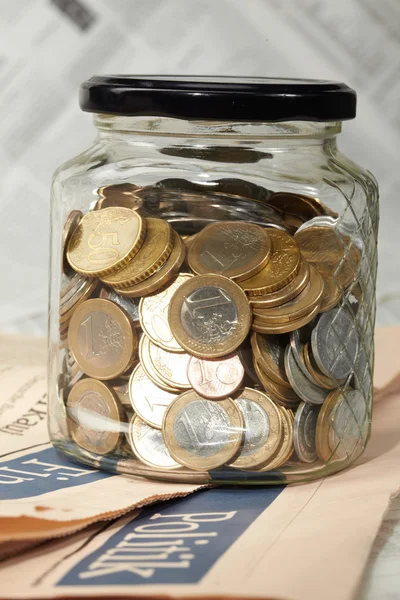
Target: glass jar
[[212, 289]]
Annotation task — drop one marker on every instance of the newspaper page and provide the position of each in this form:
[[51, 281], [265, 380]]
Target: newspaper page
[[224, 542], [43, 493], [48, 47]]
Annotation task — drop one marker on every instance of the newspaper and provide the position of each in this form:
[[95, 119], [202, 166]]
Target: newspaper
[[48, 47], [225, 542], [42, 493]]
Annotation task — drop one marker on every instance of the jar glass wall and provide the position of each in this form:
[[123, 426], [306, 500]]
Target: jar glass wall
[[212, 300]]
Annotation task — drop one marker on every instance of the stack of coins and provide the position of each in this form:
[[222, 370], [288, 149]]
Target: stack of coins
[[229, 347]]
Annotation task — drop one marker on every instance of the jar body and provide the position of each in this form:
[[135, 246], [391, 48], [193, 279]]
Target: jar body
[[306, 341]]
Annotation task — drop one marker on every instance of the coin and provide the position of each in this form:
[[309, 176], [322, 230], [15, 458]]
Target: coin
[[281, 395], [269, 352], [297, 308], [262, 429], [215, 379], [119, 194], [171, 367], [305, 423], [263, 327], [149, 368], [70, 225], [331, 295], [332, 253], [148, 445], [349, 426], [156, 248], [282, 267], [164, 274], [318, 377], [307, 391], [202, 434], [102, 339], [130, 305], [323, 449], [285, 449], [121, 387], [335, 343], [237, 250], [209, 316], [95, 416], [80, 295], [153, 311], [245, 354], [302, 206], [69, 283], [105, 240], [287, 292], [148, 400]]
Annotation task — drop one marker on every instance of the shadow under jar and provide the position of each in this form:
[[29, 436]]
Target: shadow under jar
[[212, 289]]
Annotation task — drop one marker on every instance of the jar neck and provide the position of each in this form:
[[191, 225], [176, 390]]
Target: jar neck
[[285, 133]]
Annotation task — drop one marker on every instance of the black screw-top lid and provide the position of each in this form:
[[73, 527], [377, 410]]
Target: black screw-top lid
[[219, 98]]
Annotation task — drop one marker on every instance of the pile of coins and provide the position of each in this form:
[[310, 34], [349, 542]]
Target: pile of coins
[[230, 347]]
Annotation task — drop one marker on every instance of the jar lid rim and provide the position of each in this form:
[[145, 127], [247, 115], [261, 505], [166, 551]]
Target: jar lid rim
[[219, 98]]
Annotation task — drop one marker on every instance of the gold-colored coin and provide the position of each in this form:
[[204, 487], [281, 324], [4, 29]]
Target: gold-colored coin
[[269, 351], [285, 294], [311, 366], [102, 339], [119, 194], [323, 449], [262, 429], [297, 308], [279, 394], [202, 434], [105, 240], [95, 416], [149, 368], [263, 327], [282, 267], [189, 239], [285, 450], [148, 400], [164, 274], [331, 295], [298, 205], [209, 316], [148, 445], [71, 224], [155, 250], [153, 312], [333, 254], [121, 387], [170, 366], [237, 250]]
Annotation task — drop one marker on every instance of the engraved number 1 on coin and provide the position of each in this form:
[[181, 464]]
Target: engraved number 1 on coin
[[197, 306], [87, 326]]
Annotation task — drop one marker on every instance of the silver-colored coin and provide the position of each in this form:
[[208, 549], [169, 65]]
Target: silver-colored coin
[[307, 391], [246, 358], [335, 343], [217, 319], [200, 439], [298, 338], [349, 426], [305, 423], [130, 305], [148, 445], [256, 426], [148, 401]]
